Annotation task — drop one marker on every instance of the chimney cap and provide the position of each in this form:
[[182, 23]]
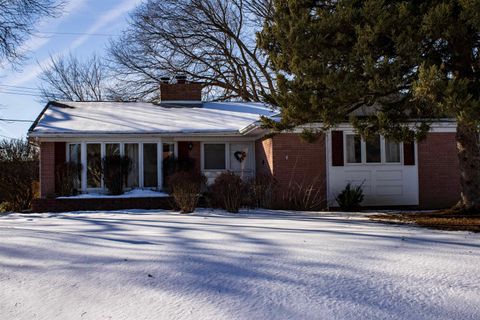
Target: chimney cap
[[165, 79]]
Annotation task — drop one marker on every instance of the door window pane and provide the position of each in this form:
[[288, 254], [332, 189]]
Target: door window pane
[[214, 156], [168, 150], [373, 149], [112, 149], [150, 173], [354, 150], [131, 151], [75, 153], [94, 165], [75, 156], [392, 151]]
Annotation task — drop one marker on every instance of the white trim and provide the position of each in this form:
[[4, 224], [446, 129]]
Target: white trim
[[190, 136], [102, 155], [140, 165], [181, 101], [84, 166], [149, 139], [122, 149], [445, 125], [363, 152], [141, 180], [160, 165], [227, 156], [202, 156], [328, 157]]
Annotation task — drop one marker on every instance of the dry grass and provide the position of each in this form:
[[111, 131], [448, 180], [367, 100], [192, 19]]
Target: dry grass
[[443, 220]]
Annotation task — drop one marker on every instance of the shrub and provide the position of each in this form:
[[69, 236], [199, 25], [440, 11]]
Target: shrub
[[115, 172], [185, 187], [171, 165], [262, 191], [228, 191], [303, 196], [18, 174], [68, 178], [350, 198]]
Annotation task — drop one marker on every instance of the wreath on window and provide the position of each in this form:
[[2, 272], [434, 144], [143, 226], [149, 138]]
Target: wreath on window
[[240, 155]]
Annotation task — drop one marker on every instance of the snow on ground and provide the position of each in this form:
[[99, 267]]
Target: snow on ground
[[213, 265]]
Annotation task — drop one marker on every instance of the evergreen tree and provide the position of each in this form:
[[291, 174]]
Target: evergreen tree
[[411, 62]]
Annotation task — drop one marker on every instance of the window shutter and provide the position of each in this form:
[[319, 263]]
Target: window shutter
[[337, 148], [409, 153]]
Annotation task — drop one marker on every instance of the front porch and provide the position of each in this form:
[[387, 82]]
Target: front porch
[[149, 161]]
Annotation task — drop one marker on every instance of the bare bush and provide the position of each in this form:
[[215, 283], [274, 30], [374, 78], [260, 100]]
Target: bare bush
[[68, 178], [18, 173], [185, 188], [229, 191], [262, 192], [303, 196], [115, 172]]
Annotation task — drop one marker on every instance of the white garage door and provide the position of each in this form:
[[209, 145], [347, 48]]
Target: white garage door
[[376, 164]]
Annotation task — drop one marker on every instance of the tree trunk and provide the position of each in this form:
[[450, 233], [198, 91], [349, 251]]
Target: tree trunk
[[468, 146]]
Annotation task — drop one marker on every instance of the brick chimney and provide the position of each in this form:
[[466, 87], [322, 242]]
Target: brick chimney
[[181, 90]]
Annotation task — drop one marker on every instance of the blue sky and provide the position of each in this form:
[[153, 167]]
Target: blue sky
[[84, 28]]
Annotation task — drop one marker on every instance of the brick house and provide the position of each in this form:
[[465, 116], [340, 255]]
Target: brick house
[[221, 136]]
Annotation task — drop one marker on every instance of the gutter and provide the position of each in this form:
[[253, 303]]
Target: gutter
[[100, 134]]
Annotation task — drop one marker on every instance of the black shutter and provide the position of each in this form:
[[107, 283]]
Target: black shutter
[[337, 148], [409, 153]]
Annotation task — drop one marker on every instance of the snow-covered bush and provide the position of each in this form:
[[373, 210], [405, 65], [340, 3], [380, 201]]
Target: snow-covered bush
[[68, 178], [350, 198], [115, 172], [228, 191], [185, 188], [18, 174]]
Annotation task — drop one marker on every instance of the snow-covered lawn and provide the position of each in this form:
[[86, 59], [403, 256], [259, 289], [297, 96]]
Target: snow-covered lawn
[[213, 265]]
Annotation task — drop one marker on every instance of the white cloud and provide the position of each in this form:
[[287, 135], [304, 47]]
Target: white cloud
[[34, 70], [106, 19], [40, 41]]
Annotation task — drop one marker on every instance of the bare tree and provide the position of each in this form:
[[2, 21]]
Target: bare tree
[[17, 21], [210, 41], [71, 79]]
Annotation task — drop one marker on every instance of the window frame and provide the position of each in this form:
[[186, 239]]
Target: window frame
[[83, 149], [122, 153], [227, 158], [363, 152]]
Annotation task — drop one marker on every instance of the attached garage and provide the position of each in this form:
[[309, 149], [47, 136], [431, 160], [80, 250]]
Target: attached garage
[[386, 170]]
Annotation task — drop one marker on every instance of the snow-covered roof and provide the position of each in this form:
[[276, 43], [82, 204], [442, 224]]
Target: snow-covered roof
[[84, 118]]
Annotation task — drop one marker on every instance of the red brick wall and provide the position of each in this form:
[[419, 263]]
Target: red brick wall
[[47, 169], [63, 205], [438, 171], [264, 157], [297, 160], [196, 155], [180, 91], [292, 161], [51, 155], [184, 152]]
